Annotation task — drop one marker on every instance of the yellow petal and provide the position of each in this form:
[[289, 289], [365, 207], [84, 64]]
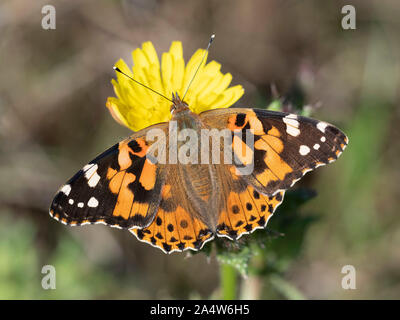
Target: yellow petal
[[139, 59], [176, 50], [151, 54], [177, 78], [138, 107], [224, 83], [210, 80], [192, 66], [112, 105], [178, 68], [166, 71], [229, 97]]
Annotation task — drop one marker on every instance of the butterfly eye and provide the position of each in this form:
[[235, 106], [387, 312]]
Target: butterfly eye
[[172, 108]]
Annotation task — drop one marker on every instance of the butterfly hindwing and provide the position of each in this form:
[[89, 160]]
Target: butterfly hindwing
[[242, 208], [286, 146], [121, 187], [179, 224]]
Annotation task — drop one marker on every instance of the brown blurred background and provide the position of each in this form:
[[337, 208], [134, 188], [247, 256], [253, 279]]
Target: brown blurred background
[[53, 120]]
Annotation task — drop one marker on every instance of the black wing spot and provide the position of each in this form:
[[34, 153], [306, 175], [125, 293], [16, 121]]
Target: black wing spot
[[166, 247], [140, 234], [232, 233], [222, 226], [159, 236], [134, 145], [239, 223], [240, 119], [184, 224], [197, 244], [204, 232]]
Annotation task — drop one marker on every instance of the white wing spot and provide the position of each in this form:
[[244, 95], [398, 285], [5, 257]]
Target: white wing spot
[[80, 205], [322, 126], [292, 131], [304, 150], [94, 180], [93, 203], [290, 121], [292, 125], [71, 201], [91, 174], [323, 139], [66, 189], [88, 166], [316, 146]]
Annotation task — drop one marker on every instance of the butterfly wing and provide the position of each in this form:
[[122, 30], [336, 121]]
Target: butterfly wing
[[121, 187], [242, 209], [245, 203], [286, 146], [181, 222]]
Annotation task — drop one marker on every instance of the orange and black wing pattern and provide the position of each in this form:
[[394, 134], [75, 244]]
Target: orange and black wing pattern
[[176, 207], [121, 188], [179, 224], [286, 145], [242, 208]]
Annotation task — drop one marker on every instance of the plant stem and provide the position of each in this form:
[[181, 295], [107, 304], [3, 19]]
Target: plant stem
[[228, 280], [251, 288], [285, 288]]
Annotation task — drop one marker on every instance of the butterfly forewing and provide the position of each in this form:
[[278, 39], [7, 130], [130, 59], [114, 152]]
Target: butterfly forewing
[[121, 188], [286, 146]]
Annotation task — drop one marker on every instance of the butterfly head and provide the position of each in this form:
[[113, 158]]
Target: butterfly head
[[177, 104]]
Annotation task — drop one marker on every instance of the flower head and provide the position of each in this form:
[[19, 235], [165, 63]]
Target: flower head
[[137, 107]]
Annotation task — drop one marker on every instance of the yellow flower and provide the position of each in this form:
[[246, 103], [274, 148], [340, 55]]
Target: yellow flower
[[137, 107]]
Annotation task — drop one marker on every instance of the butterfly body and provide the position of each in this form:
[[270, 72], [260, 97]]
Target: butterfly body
[[177, 205]]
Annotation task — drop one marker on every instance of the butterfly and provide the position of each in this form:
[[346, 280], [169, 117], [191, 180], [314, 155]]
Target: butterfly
[[176, 206]]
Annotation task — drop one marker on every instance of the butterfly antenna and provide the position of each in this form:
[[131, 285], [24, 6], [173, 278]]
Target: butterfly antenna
[[119, 70], [204, 56]]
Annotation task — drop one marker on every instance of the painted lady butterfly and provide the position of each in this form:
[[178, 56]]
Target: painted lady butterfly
[[176, 206]]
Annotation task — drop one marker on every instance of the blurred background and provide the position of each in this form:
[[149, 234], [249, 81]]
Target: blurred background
[[53, 120]]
